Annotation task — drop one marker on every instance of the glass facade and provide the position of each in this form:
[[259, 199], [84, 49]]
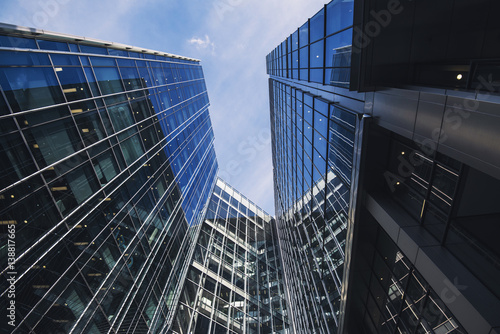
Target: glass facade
[[386, 198], [391, 296], [107, 163], [313, 143], [318, 127], [313, 146], [442, 196], [320, 50], [234, 283]]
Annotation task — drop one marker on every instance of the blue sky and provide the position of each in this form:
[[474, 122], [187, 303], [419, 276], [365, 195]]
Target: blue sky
[[230, 37]]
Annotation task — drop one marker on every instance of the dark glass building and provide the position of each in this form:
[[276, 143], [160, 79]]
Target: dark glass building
[[385, 121], [384, 118], [234, 283], [107, 163]]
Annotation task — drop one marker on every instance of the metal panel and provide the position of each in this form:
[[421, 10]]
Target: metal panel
[[462, 140], [429, 117], [396, 112]]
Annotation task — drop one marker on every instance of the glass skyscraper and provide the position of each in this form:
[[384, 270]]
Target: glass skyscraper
[[107, 164], [235, 279], [314, 142], [384, 120]]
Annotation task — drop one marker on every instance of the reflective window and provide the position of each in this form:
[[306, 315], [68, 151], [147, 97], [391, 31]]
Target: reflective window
[[317, 26], [30, 87], [304, 35], [108, 79]]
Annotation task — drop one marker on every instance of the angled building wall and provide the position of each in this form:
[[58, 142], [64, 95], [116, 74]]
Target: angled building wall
[[234, 283], [418, 252], [107, 161]]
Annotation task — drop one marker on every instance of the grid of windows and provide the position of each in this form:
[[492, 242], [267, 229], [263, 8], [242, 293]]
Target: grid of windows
[[441, 194], [108, 160], [390, 295], [320, 50], [313, 145], [234, 284]]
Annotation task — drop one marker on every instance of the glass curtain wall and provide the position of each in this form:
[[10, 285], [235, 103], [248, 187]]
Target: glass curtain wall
[[234, 284], [107, 160], [320, 50], [313, 144]]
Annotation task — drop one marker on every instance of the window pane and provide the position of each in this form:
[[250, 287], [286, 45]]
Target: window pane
[[74, 83], [49, 45], [132, 149], [28, 88], [295, 40], [108, 79], [304, 58], [17, 42], [339, 15], [334, 44], [317, 54], [53, 141], [15, 159], [121, 116], [317, 26], [304, 34]]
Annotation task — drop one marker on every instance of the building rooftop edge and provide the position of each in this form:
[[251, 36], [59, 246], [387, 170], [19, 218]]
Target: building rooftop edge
[[11, 28], [239, 192]]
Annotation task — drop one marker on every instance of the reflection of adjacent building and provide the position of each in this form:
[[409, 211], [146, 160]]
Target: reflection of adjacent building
[[234, 282], [422, 173], [107, 160]]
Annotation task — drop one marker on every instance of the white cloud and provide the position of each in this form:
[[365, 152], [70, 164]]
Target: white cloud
[[203, 44]]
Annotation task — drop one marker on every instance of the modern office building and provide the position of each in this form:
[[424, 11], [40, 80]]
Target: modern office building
[[385, 124], [108, 164], [109, 197], [384, 118], [234, 283]]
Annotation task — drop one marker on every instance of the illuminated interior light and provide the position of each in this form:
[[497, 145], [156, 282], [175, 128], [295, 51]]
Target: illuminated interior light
[[58, 69], [35, 145], [459, 77], [83, 243], [85, 130], [76, 111], [8, 222], [69, 90], [59, 188]]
